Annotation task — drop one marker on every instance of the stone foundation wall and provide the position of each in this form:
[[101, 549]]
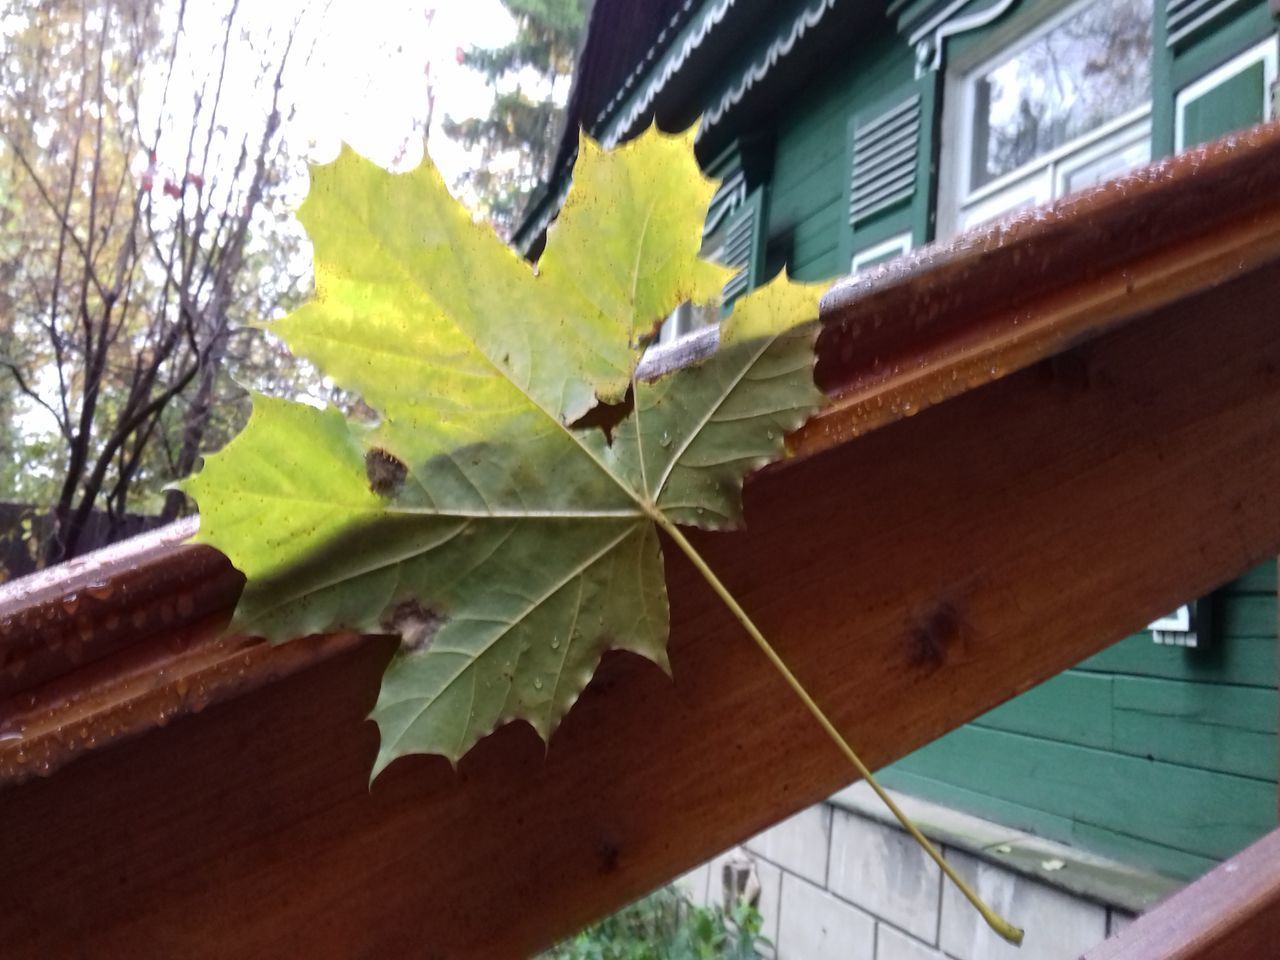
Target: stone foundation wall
[[836, 881]]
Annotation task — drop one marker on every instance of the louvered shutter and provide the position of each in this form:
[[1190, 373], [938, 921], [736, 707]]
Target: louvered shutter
[[742, 246], [1186, 17], [885, 151], [731, 195]]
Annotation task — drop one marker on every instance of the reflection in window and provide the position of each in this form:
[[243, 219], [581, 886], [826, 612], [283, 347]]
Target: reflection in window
[[1088, 69]]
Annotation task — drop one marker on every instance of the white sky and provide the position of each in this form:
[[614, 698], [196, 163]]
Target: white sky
[[365, 83], [358, 73]]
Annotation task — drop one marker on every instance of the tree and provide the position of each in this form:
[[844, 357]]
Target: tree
[[131, 254], [530, 76]]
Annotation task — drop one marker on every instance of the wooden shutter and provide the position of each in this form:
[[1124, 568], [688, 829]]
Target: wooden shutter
[[885, 150], [742, 246], [728, 198], [1187, 17]]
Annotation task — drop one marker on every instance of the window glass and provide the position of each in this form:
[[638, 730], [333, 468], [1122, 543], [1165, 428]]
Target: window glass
[[1090, 68]]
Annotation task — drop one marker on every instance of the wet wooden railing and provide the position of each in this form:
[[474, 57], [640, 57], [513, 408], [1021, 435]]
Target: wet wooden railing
[[1231, 913], [1041, 436]]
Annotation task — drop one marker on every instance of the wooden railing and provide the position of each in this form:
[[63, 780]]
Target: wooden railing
[[1231, 913], [1109, 445]]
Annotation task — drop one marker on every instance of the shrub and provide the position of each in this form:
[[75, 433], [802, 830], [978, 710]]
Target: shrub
[[665, 926]]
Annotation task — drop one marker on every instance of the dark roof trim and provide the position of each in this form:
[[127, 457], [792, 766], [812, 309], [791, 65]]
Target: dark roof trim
[[670, 51], [782, 45], [629, 112], [666, 35], [634, 108]]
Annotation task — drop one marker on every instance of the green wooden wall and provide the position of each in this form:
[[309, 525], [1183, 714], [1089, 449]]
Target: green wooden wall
[[1158, 756], [808, 221]]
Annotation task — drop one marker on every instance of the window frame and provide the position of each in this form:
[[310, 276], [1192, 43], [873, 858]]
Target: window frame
[[871, 257], [1266, 52], [1039, 180]]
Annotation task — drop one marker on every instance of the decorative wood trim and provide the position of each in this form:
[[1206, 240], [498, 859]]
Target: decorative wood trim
[[914, 579]]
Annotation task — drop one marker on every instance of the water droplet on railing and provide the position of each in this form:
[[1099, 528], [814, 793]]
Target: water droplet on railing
[[99, 590]]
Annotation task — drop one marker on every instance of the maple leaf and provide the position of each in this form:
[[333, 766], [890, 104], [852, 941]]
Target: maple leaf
[[507, 547], [507, 543]]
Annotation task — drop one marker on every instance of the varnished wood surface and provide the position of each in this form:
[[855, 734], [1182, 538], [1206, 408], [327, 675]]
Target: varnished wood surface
[[1231, 913], [946, 318], [913, 579], [112, 645]]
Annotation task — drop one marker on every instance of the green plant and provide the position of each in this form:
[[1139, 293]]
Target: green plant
[[665, 926]]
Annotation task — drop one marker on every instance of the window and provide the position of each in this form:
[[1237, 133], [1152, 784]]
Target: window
[[879, 253], [1237, 94], [1063, 108], [685, 319], [732, 236]]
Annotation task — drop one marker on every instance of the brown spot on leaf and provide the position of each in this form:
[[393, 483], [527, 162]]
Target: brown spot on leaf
[[415, 624], [386, 473]]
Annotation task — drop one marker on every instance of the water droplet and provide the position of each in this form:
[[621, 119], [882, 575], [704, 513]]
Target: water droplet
[[99, 590], [537, 683], [769, 434], [555, 643]]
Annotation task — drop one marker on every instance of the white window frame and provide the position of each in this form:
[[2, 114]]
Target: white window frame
[[677, 326], [897, 244], [1137, 131], [1268, 52], [1036, 182]]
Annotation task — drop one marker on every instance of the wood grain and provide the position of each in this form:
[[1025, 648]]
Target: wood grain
[[1231, 913], [941, 564], [913, 579]]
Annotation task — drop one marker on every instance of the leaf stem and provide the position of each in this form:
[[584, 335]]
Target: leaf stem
[[996, 922]]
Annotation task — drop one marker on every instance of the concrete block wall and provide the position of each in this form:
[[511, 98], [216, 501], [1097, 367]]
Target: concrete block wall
[[835, 882]]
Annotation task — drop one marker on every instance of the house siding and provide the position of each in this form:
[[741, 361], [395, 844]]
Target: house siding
[[808, 224], [1160, 756]]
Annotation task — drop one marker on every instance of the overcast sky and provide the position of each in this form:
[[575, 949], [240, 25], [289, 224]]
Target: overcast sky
[[365, 82], [358, 73]]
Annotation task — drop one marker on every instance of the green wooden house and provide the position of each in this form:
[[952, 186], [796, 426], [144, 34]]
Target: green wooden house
[[847, 133]]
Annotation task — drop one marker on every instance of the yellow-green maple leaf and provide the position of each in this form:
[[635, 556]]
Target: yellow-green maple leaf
[[507, 546]]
